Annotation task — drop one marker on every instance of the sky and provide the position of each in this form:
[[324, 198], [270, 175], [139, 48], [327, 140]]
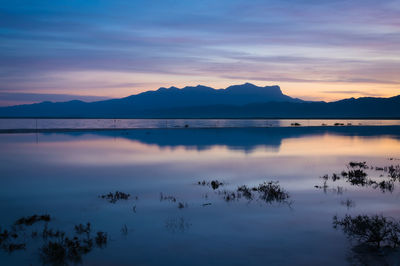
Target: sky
[[97, 49]]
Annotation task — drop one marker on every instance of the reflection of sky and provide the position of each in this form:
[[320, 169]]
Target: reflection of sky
[[313, 49], [62, 174]]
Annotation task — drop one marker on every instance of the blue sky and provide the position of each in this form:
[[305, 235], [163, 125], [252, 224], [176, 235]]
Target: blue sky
[[317, 50]]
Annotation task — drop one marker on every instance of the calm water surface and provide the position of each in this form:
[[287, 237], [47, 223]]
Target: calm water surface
[[179, 123], [62, 174]]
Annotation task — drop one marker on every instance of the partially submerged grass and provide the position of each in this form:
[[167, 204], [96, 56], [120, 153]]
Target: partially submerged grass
[[57, 248], [272, 192], [167, 198], [357, 175], [124, 230], [375, 230], [11, 247], [101, 239], [116, 196], [361, 165], [348, 203], [82, 229], [268, 192], [32, 219], [214, 184]]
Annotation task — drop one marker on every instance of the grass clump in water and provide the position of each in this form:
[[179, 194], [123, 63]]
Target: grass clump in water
[[32, 219], [114, 197], [214, 184]]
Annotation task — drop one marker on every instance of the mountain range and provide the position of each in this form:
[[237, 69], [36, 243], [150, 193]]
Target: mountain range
[[238, 101]]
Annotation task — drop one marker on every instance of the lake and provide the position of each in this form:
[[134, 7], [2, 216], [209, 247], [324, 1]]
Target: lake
[[30, 123], [171, 216]]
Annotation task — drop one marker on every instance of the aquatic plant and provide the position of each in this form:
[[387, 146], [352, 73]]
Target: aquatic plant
[[62, 249], [32, 219], [58, 248], [49, 233], [101, 239], [82, 229], [374, 230], [245, 191], [53, 253], [361, 165], [271, 191], [182, 205], [124, 230], [268, 192], [11, 247], [229, 195], [4, 235], [348, 203], [356, 175], [384, 185], [167, 198], [114, 197], [214, 184], [394, 172]]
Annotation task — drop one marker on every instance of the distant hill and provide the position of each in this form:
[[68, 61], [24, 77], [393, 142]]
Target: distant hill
[[239, 101], [348, 108]]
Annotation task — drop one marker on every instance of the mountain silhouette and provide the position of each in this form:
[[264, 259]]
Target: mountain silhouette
[[238, 101], [201, 95]]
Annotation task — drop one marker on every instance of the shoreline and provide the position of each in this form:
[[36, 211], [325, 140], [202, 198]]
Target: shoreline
[[61, 130]]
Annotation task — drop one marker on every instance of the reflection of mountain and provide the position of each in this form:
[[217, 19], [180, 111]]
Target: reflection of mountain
[[246, 139]]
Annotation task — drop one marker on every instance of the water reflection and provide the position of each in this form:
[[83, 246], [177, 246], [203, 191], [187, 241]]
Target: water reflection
[[168, 212]]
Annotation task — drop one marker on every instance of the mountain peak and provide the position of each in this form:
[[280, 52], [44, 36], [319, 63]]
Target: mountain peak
[[249, 88]]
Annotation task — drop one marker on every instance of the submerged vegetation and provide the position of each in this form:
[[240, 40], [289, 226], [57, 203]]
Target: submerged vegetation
[[214, 184], [58, 248], [61, 249], [114, 197], [357, 175], [32, 219], [167, 198], [173, 199], [375, 230], [268, 192]]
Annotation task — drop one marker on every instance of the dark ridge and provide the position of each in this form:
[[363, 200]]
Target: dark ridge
[[238, 101]]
